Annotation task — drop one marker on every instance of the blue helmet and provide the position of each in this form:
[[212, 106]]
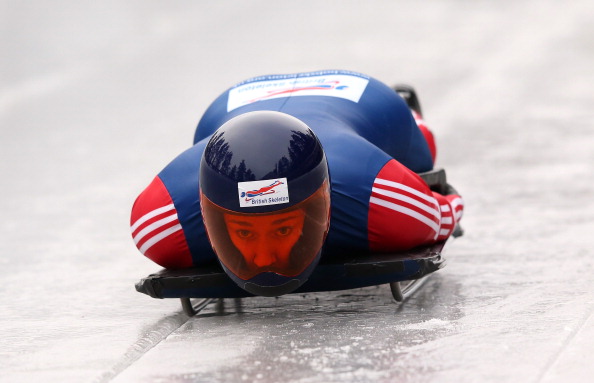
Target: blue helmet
[[265, 199]]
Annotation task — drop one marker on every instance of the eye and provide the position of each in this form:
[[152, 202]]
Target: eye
[[284, 231], [245, 234]]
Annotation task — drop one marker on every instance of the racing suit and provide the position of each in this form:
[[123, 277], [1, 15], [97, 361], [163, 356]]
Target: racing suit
[[374, 143]]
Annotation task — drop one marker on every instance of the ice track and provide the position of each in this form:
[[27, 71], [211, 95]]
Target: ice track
[[97, 97]]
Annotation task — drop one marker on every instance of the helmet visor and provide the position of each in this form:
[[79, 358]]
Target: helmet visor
[[285, 242]]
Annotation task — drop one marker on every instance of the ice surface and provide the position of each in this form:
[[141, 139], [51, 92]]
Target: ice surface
[[95, 98]]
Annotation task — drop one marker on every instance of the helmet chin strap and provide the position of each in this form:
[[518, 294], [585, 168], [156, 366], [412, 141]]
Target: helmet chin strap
[[272, 291]]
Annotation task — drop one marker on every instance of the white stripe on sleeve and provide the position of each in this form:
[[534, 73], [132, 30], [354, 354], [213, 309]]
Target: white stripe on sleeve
[[154, 226], [150, 215], [407, 189], [409, 212], [434, 212], [158, 237]]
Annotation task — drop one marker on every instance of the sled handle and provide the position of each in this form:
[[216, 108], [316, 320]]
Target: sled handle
[[191, 310], [404, 289]]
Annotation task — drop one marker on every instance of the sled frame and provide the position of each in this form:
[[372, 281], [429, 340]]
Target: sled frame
[[424, 263]]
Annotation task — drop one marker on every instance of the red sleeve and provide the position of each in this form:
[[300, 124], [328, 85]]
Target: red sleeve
[[426, 133], [451, 208], [156, 229], [405, 213]]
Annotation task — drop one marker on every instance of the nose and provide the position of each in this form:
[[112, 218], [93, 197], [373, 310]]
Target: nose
[[264, 254]]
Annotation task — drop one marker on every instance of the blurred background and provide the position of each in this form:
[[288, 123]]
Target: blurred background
[[97, 97]]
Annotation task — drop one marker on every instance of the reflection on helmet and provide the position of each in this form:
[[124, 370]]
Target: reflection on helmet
[[285, 242], [265, 200]]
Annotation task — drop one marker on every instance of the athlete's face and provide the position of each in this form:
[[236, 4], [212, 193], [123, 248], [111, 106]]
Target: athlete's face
[[266, 240]]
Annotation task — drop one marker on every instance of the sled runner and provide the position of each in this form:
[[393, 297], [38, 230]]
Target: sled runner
[[403, 271]]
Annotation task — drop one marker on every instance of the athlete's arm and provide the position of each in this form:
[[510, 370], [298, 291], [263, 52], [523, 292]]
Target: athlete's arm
[[156, 230], [405, 213]]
